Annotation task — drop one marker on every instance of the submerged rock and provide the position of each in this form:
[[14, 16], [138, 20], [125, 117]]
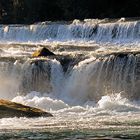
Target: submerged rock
[[12, 109], [42, 52]]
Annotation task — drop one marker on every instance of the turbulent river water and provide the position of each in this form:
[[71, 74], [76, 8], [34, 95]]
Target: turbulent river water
[[91, 86]]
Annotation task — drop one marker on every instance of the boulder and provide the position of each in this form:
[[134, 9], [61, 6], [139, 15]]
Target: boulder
[[42, 52], [11, 109]]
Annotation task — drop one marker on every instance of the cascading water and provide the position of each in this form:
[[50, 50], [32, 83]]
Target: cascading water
[[94, 74], [88, 30]]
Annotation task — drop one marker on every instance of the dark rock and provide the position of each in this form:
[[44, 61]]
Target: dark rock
[[42, 52], [12, 109]]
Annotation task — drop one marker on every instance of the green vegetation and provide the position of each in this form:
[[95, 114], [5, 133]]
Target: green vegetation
[[30, 11]]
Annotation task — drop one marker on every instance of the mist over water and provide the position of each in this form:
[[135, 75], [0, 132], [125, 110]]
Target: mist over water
[[94, 87]]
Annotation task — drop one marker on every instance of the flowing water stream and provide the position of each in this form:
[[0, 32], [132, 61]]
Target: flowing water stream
[[91, 86]]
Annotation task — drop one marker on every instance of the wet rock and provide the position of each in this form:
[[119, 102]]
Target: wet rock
[[124, 54], [42, 52], [12, 109]]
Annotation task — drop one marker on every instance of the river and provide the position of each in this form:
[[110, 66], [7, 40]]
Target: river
[[91, 87]]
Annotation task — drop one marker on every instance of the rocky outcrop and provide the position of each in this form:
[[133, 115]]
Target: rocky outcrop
[[12, 109], [42, 52]]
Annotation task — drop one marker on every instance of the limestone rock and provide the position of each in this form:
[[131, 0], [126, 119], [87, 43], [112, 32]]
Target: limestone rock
[[12, 109], [42, 52]]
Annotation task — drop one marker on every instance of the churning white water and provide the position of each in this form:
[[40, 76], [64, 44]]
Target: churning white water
[[91, 83]]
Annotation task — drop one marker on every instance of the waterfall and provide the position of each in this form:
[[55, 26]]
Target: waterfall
[[90, 79], [75, 77], [91, 83], [9, 79], [118, 73], [88, 30], [40, 75], [94, 78]]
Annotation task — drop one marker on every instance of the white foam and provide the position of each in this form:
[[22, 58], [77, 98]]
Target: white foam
[[45, 102], [117, 103]]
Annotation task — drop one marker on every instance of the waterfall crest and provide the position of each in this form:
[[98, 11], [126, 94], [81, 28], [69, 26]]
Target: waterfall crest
[[90, 30]]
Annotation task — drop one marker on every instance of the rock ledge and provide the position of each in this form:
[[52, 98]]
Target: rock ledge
[[12, 109]]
